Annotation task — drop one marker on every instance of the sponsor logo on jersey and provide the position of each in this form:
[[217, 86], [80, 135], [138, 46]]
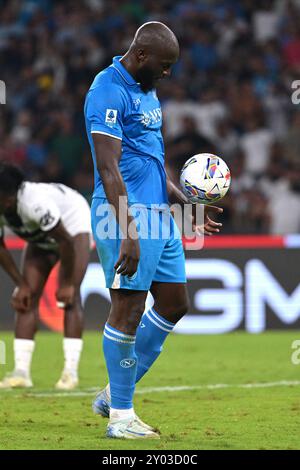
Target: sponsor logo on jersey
[[151, 117]]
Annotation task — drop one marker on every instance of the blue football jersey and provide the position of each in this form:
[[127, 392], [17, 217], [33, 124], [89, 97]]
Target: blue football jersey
[[117, 106]]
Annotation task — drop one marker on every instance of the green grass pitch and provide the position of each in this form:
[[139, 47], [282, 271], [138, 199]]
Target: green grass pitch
[[230, 416]]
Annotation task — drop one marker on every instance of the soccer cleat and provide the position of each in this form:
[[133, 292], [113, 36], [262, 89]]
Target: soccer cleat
[[68, 381], [16, 379], [132, 428], [101, 406]]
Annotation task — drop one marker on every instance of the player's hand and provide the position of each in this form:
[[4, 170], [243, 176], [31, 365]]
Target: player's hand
[[21, 298], [209, 227], [129, 257], [65, 296]]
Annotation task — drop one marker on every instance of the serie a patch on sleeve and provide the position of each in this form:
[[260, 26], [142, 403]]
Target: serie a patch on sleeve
[[111, 117]]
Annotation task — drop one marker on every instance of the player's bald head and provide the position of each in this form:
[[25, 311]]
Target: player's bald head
[[152, 53], [156, 37]]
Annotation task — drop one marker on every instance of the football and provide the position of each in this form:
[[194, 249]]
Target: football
[[205, 178]]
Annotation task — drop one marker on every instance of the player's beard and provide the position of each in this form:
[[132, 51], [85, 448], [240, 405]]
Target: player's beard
[[146, 78]]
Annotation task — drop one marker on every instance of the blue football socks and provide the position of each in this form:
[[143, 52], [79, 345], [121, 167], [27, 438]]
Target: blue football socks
[[150, 336], [121, 363]]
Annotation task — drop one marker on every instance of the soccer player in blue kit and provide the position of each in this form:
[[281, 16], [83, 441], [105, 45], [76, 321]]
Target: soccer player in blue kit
[[123, 122]]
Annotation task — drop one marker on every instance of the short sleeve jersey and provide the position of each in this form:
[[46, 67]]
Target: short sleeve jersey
[[36, 215], [117, 106]]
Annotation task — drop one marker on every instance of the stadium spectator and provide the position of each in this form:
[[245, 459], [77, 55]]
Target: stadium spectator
[[238, 60], [256, 144], [291, 141], [188, 142]]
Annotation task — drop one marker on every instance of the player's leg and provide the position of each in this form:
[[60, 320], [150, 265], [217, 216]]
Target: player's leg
[[170, 305], [128, 297], [127, 307], [171, 300], [36, 267], [73, 317]]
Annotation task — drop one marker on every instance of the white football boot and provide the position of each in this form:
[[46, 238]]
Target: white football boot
[[68, 381], [16, 379], [101, 406], [131, 428]]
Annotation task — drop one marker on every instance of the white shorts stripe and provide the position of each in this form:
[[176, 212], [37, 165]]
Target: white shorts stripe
[[116, 282]]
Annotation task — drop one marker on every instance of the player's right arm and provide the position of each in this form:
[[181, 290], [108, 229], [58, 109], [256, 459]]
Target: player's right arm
[[21, 297], [108, 154], [105, 110]]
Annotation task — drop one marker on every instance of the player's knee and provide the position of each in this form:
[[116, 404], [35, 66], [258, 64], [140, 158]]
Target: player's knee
[[27, 322], [127, 321], [182, 308], [134, 317], [177, 310]]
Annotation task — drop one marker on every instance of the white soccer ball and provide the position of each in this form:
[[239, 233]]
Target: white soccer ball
[[205, 178]]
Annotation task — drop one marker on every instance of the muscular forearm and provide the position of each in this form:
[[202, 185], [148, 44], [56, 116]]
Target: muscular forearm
[[67, 259], [9, 266], [175, 192]]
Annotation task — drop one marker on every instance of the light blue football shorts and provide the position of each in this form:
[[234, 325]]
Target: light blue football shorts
[[161, 250]]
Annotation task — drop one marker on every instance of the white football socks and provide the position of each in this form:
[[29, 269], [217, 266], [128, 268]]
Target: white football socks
[[23, 349], [72, 352]]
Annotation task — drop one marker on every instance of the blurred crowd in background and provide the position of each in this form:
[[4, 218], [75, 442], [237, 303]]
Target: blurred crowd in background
[[230, 93]]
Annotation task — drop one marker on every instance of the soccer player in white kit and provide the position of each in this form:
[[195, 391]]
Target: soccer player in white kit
[[54, 220]]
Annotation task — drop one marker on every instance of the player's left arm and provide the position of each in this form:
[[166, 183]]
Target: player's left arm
[[209, 226], [66, 289], [175, 193]]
